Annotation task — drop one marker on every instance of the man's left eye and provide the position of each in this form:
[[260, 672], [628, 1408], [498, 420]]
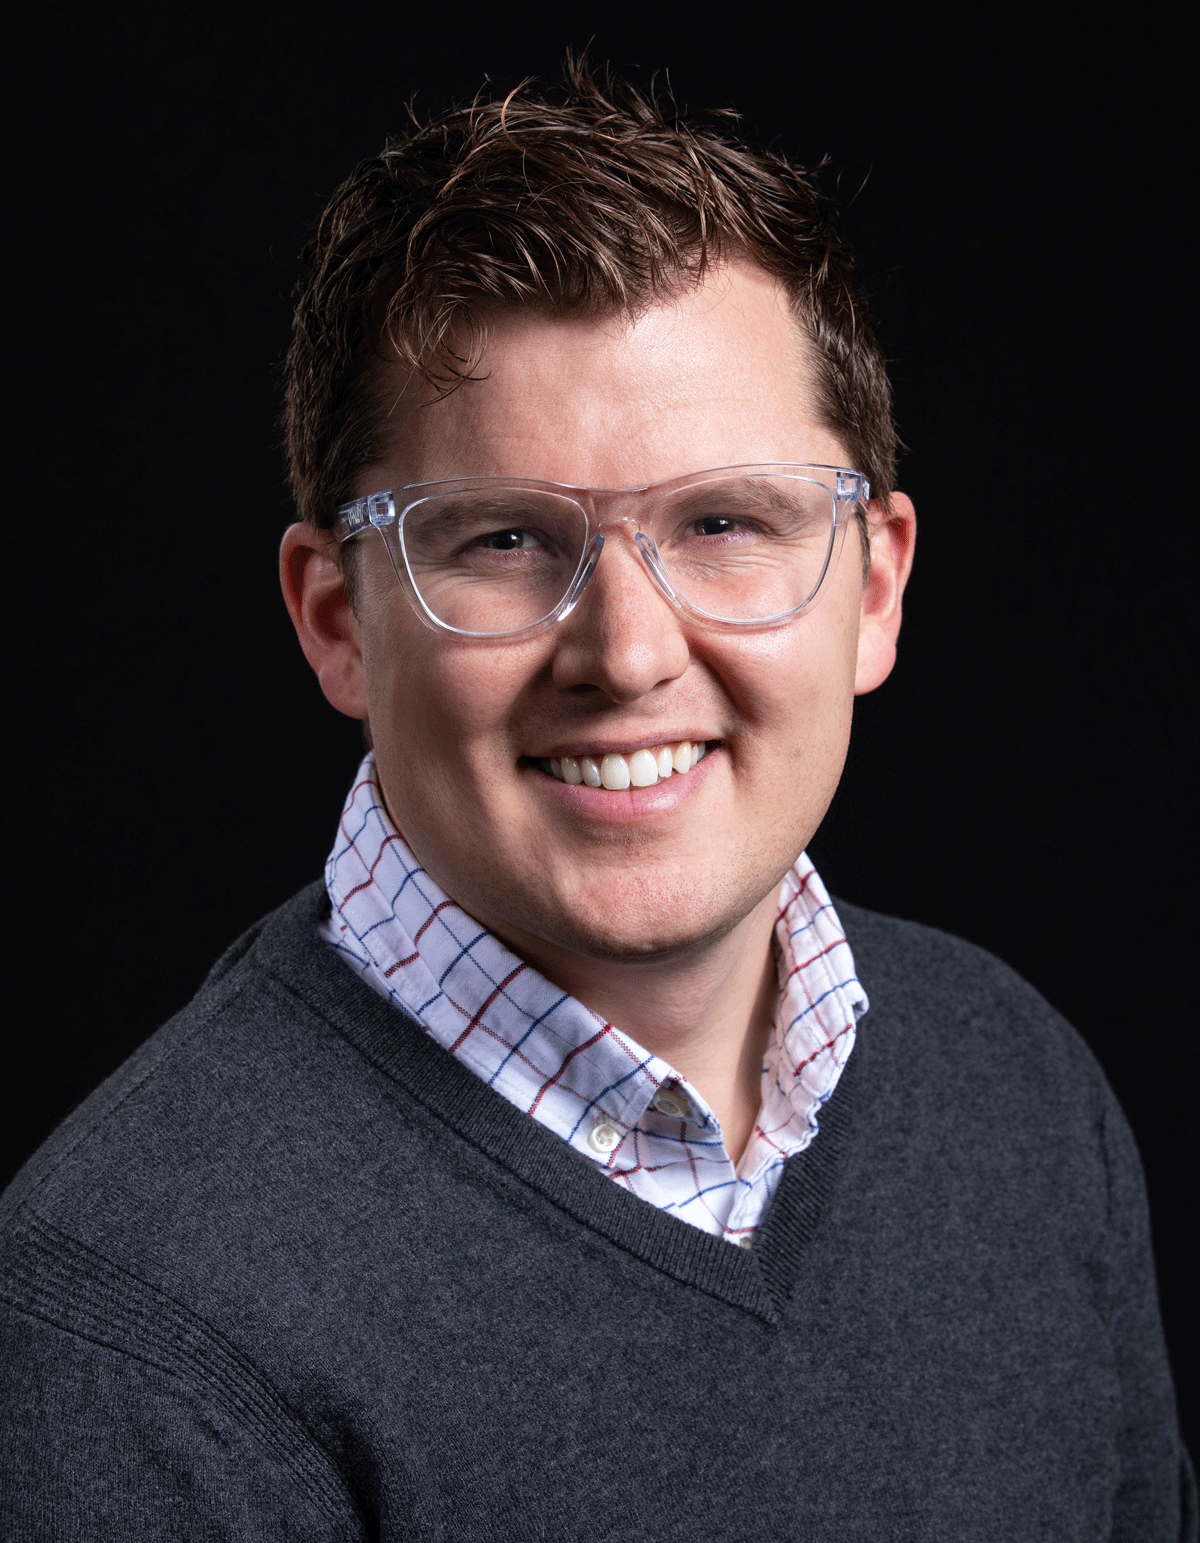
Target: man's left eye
[[715, 525]]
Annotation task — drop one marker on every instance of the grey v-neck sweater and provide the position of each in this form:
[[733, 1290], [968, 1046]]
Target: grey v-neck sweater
[[294, 1273]]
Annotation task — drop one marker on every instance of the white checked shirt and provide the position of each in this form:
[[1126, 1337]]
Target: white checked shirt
[[620, 1107]]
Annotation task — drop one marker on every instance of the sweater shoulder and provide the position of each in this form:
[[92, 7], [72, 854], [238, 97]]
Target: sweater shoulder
[[916, 967], [955, 1024], [171, 1067]]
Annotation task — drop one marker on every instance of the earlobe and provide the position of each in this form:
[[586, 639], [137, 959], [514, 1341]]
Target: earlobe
[[893, 533], [315, 594]]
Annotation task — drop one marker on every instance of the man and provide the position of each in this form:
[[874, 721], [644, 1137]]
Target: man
[[533, 1176]]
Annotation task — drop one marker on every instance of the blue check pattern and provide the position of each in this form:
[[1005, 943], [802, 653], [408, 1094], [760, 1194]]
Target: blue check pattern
[[584, 1079]]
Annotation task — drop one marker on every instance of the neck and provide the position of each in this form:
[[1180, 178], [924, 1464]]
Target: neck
[[708, 1012]]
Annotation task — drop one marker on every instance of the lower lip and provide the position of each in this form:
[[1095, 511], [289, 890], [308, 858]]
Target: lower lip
[[632, 803]]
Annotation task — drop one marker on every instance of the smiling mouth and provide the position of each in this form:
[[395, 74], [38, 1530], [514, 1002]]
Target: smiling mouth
[[638, 769]]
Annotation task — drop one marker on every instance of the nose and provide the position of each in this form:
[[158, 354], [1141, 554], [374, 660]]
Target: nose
[[623, 637]]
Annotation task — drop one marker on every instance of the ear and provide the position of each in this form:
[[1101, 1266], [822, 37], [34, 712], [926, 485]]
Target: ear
[[320, 609], [892, 529]]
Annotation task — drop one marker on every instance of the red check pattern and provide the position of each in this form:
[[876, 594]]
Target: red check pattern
[[583, 1078]]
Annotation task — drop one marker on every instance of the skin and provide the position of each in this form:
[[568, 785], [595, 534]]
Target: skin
[[656, 909]]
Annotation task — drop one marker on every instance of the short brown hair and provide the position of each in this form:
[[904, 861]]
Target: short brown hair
[[597, 197]]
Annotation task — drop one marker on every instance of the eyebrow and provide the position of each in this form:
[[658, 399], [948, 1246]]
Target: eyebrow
[[488, 504], [750, 491]]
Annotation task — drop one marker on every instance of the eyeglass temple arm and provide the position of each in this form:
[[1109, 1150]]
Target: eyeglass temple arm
[[378, 509]]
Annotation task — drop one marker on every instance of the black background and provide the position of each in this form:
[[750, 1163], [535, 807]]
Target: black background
[[1016, 196]]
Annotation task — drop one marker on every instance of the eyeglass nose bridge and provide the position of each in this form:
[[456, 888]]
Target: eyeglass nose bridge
[[591, 558]]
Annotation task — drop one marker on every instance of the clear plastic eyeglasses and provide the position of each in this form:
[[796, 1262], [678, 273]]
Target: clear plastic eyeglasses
[[493, 557]]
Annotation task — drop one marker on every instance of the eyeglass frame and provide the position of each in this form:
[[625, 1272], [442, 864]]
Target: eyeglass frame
[[379, 511]]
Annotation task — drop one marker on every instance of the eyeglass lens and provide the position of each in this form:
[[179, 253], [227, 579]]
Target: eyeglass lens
[[500, 559]]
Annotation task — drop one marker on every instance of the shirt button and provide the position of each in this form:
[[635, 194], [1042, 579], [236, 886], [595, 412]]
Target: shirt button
[[671, 1102], [604, 1137], [747, 1241]]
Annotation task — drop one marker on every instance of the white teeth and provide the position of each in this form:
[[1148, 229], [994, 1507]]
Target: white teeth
[[643, 768], [614, 773], [639, 769]]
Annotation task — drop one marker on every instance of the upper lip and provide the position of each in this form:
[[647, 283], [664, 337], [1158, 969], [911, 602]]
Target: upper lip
[[597, 749]]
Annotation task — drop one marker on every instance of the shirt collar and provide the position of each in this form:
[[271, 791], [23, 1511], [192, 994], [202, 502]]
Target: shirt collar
[[539, 1047]]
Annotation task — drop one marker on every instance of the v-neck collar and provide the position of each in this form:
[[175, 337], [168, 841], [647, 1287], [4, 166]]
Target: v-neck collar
[[756, 1280]]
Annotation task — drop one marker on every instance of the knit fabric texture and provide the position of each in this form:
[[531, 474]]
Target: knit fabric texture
[[296, 1273]]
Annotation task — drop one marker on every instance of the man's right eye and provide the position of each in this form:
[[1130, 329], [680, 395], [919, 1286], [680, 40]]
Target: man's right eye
[[507, 540]]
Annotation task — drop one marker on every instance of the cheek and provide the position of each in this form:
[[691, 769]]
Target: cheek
[[798, 682], [799, 699], [442, 708]]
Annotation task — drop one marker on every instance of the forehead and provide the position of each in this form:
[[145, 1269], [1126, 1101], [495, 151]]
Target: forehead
[[717, 374]]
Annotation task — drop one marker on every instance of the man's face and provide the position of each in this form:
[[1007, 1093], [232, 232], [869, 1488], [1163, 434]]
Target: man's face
[[715, 377]]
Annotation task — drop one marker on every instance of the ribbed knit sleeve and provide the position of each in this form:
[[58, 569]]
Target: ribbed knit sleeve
[[127, 1418]]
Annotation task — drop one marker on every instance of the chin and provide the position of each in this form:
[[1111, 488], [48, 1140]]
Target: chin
[[647, 927]]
